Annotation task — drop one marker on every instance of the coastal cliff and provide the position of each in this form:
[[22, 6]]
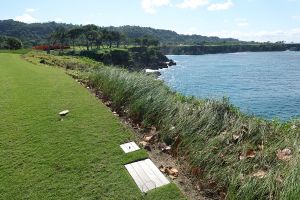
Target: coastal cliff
[[134, 58]]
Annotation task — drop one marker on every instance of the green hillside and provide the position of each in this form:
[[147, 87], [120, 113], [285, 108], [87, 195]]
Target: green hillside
[[37, 33]]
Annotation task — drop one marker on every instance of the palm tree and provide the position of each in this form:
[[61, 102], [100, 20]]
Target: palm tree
[[92, 37], [60, 35], [74, 34], [89, 32]]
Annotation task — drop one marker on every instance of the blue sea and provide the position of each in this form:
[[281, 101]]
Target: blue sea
[[266, 84]]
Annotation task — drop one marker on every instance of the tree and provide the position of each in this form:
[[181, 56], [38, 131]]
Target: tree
[[92, 37], [89, 32], [116, 37], [74, 34], [109, 38], [138, 41], [60, 35], [10, 43], [2, 42], [106, 36], [153, 42], [145, 41], [125, 40], [99, 39]]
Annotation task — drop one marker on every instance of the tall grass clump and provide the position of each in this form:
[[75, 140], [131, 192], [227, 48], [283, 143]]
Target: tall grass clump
[[228, 151]]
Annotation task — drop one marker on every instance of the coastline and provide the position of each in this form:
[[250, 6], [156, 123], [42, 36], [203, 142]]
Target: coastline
[[216, 49], [247, 79]]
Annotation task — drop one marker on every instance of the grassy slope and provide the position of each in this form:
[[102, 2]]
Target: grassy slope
[[45, 158], [205, 132]]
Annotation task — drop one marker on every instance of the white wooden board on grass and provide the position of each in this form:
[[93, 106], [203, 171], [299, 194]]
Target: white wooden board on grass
[[129, 147], [146, 175]]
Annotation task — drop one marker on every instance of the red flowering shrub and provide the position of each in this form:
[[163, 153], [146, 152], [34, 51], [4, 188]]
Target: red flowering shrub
[[51, 47]]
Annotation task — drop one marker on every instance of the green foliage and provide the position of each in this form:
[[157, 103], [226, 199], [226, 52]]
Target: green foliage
[[67, 62], [10, 43], [37, 33], [146, 41], [30, 34], [74, 34], [147, 58], [210, 135], [134, 58], [113, 57], [166, 37]]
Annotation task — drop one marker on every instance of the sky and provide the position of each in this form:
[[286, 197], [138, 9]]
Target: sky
[[248, 20]]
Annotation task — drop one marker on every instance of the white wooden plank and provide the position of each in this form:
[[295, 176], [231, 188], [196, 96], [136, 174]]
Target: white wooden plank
[[129, 147], [160, 178], [141, 179], [153, 177], [146, 175], [157, 172], [148, 182], [142, 173], [137, 179]]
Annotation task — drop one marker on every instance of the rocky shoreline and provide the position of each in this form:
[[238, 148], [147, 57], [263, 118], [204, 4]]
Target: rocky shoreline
[[134, 58]]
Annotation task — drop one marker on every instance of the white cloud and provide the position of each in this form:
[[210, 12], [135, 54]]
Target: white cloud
[[220, 6], [26, 18], [192, 4], [150, 6], [31, 10]]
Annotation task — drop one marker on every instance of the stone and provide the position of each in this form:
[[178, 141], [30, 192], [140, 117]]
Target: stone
[[64, 113]]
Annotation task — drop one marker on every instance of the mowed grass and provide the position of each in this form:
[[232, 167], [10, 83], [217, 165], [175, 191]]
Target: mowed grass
[[42, 157]]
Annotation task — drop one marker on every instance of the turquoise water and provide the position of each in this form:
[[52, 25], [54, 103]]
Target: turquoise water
[[265, 84]]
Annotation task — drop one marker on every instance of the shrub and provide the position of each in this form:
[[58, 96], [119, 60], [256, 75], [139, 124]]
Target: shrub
[[49, 47], [10, 43]]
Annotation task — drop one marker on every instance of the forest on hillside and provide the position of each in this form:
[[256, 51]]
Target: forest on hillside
[[16, 34], [37, 33]]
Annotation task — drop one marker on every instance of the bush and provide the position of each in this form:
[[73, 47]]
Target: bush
[[10, 43], [51, 47], [112, 57]]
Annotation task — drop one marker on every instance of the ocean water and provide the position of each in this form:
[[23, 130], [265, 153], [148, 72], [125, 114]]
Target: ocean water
[[266, 84]]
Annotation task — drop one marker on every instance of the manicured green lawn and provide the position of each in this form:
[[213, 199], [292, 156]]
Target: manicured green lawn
[[42, 157]]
